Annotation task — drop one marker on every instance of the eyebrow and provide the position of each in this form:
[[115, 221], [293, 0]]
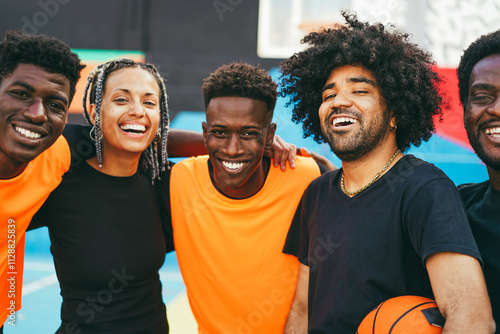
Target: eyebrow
[[246, 127], [354, 79], [24, 84], [128, 91], [482, 86], [31, 89]]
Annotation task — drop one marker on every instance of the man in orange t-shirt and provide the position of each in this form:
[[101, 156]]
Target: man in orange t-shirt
[[38, 75], [231, 210]]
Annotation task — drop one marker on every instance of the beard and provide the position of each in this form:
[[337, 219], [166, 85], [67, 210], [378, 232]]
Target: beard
[[489, 160], [352, 146]]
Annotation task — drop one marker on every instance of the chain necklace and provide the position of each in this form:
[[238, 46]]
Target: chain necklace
[[349, 193]]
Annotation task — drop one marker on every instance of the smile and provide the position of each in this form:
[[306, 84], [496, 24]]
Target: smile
[[344, 121], [492, 131], [133, 128], [27, 133], [233, 166]]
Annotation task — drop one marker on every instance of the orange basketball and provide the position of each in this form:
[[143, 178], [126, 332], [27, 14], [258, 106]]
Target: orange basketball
[[403, 315]]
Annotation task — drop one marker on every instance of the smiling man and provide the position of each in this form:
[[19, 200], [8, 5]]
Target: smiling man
[[231, 210], [38, 76], [370, 94], [479, 84]]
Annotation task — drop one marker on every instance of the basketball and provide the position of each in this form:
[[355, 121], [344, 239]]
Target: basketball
[[403, 315]]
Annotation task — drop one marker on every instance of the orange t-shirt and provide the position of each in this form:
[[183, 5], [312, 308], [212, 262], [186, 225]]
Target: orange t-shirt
[[20, 198], [230, 250]]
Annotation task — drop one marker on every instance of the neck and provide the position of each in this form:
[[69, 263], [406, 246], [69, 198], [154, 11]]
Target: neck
[[121, 165], [249, 188], [10, 169], [494, 178], [361, 172]]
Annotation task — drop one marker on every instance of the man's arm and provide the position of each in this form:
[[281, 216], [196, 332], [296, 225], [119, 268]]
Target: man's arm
[[320, 159], [281, 152], [296, 322], [185, 143], [460, 291]]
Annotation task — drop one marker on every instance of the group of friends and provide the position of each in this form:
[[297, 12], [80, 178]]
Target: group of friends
[[267, 241]]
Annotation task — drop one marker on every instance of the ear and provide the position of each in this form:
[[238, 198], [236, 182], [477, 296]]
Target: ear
[[92, 113], [270, 135], [392, 122], [205, 133]]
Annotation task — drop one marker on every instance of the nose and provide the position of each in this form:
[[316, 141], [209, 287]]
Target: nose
[[233, 146], [136, 109], [341, 100], [494, 108], [36, 112]]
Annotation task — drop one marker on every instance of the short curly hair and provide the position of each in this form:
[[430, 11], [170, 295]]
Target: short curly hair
[[241, 80], [49, 53], [484, 46], [404, 74]]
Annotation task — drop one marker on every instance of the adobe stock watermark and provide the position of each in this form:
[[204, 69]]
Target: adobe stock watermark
[[95, 304], [266, 309], [11, 272], [322, 251], [49, 9], [223, 6]]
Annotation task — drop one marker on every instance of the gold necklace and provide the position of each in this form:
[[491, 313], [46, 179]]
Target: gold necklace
[[349, 193]]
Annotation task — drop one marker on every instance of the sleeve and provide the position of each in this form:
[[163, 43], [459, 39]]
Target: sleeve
[[80, 144], [322, 168], [162, 190], [437, 222], [41, 217], [297, 240]]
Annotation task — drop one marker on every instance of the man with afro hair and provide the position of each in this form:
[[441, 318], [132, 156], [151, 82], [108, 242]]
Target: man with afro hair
[[479, 86], [385, 224], [231, 210]]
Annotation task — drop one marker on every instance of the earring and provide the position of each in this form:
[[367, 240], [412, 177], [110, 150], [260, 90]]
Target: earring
[[93, 136], [157, 138], [393, 128]]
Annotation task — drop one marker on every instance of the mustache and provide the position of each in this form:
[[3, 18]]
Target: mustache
[[486, 123], [345, 111]]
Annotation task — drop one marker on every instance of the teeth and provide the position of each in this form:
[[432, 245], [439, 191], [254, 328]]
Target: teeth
[[28, 133], [340, 120], [133, 127], [233, 165], [491, 131]]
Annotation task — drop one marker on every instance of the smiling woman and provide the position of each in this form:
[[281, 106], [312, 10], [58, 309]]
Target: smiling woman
[[104, 218], [130, 121], [136, 98]]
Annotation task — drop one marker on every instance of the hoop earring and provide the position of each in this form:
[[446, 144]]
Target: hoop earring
[[92, 137], [157, 138], [393, 128]]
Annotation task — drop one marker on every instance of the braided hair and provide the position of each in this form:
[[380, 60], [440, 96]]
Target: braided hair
[[150, 161]]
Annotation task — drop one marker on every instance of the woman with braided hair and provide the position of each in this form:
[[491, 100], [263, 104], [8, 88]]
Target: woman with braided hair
[[103, 219]]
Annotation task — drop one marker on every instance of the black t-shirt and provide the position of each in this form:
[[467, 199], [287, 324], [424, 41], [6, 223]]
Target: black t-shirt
[[482, 203], [107, 243], [365, 249]]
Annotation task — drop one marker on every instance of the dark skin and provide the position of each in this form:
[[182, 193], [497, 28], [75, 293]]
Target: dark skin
[[192, 143], [482, 115], [237, 132], [33, 110]]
